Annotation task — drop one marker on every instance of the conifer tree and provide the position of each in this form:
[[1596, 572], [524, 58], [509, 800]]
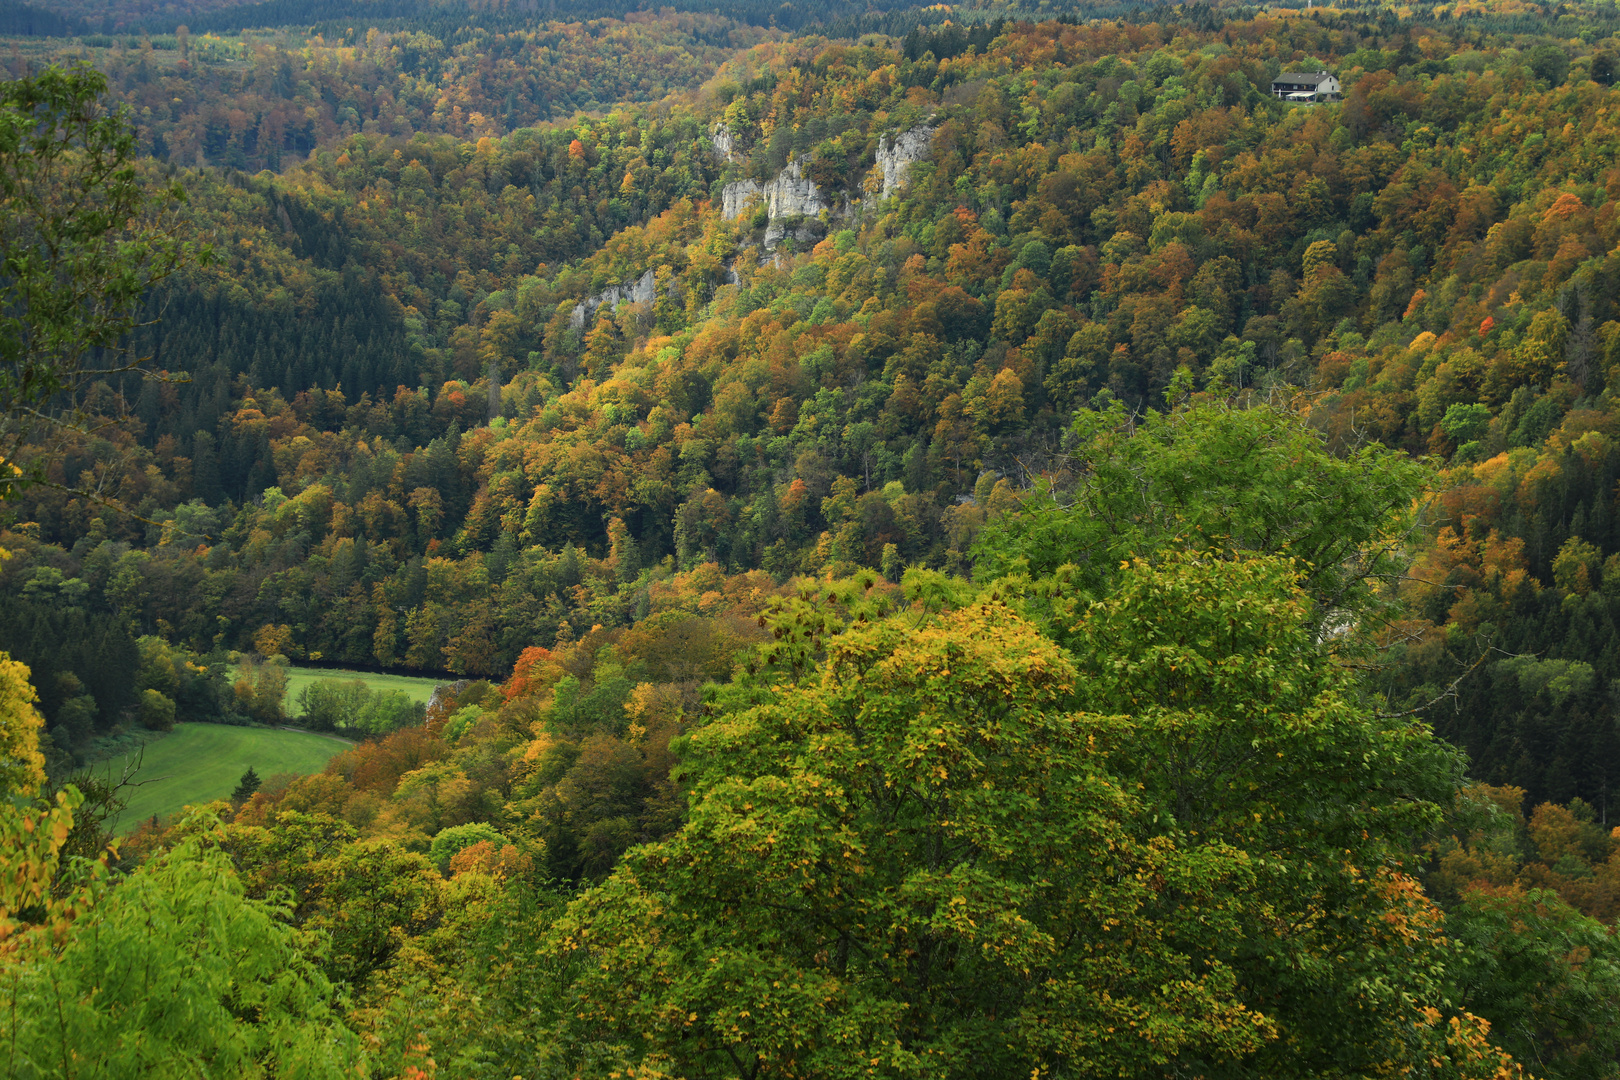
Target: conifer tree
[[246, 786]]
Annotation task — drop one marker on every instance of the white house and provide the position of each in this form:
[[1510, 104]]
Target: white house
[[1312, 86]]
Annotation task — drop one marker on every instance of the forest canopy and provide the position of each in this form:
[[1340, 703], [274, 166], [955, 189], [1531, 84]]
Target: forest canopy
[[965, 542]]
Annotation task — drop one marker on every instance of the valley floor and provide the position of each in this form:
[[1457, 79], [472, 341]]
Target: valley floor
[[197, 763]]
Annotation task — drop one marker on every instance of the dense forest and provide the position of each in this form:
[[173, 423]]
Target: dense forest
[[986, 543]]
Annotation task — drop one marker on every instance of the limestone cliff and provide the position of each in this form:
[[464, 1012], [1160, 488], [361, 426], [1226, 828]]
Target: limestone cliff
[[794, 194], [897, 153], [789, 195], [725, 143], [644, 290], [735, 197]]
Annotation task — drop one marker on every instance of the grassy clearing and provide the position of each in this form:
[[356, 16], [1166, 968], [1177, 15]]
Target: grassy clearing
[[196, 763], [419, 689]]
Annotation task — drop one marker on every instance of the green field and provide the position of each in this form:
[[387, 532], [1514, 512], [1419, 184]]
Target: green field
[[419, 689], [196, 763]]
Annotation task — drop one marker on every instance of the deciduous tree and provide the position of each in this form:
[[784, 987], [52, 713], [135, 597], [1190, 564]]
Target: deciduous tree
[[84, 234]]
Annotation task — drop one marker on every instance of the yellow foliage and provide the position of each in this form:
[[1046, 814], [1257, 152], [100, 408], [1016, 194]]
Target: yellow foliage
[[653, 704], [31, 840], [273, 640], [22, 766], [1497, 472]]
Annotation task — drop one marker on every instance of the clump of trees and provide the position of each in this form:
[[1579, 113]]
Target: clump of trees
[[350, 706]]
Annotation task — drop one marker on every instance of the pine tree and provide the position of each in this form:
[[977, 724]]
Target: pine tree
[[246, 786]]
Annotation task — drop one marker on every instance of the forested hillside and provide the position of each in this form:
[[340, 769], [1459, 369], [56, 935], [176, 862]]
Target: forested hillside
[[1095, 208], [907, 513], [256, 100]]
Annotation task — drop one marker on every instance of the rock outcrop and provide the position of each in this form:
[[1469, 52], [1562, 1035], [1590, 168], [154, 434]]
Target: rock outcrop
[[794, 194], [644, 290], [789, 196], [444, 691], [736, 196], [896, 154], [725, 143]]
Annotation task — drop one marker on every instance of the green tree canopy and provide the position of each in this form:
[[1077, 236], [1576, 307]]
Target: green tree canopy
[[898, 867], [1244, 734], [1550, 974], [175, 972], [1220, 479], [1172, 850]]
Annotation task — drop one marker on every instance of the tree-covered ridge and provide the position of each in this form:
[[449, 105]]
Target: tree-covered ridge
[[1102, 205], [258, 100]]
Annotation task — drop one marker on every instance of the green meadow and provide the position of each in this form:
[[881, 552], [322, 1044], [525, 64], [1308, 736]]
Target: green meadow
[[197, 763]]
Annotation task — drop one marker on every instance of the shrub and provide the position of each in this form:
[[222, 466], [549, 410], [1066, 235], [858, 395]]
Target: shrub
[[452, 840]]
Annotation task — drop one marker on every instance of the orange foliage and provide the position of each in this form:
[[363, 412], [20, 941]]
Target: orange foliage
[[484, 858], [533, 672], [377, 766]]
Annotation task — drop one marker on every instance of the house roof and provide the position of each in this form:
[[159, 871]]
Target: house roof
[[1307, 78]]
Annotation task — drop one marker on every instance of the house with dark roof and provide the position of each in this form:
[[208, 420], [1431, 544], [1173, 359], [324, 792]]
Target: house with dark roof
[[1306, 86]]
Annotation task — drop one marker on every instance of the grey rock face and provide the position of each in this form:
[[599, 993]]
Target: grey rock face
[[806, 233], [895, 155], [644, 290], [790, 194], [725, 143], [446, 690], [790, 197], [735, 197], [794, 194]]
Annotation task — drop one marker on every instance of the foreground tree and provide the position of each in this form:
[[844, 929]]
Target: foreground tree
[[964, 851], [1243, 732], [916, 866], [84, 235], [22, 766], [175, 972], [1221, 479]]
